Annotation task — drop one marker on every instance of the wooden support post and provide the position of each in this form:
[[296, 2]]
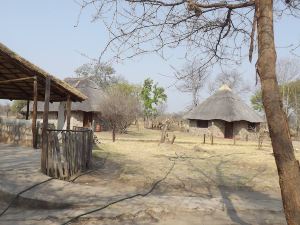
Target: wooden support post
[[234, 140], [27, 110], [203, 138], [45, 127], [69, 112], [34, 113], [212, 139]]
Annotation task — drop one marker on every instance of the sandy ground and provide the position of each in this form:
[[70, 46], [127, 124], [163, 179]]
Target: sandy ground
[[206, 184]]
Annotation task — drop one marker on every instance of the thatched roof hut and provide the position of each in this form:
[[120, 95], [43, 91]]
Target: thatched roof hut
[[224, 105], [83, 114], [225, 110], [85, 86]]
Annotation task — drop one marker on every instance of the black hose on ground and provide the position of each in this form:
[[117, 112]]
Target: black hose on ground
[[21, 192], [37, 184], [155, 184]]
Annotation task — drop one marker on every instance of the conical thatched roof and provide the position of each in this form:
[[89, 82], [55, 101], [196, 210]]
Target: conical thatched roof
[[85, 86], [224, 105]]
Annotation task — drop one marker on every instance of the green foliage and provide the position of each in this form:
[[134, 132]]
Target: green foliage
[[256, 101], [127, 88], [290, 94], [152, 96], [18, 105]]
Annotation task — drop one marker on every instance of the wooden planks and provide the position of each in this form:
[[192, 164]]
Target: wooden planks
[[69, 152]]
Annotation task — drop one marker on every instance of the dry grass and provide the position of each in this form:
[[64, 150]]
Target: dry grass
[[218, 184], [200, 168]]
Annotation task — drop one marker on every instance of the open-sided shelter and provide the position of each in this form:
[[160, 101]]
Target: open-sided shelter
[[83, 114], [22, 80]]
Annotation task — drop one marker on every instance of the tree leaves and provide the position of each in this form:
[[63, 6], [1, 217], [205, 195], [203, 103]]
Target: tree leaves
[[152, 96]]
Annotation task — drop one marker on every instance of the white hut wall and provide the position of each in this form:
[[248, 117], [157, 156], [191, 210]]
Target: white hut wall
[[76, 119]]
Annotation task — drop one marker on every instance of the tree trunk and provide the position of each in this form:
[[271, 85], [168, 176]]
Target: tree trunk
[[113, 134], [163, 133], [195, 99], [287, 165]]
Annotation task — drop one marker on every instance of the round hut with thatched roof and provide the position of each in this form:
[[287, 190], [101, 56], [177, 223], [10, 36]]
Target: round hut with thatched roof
[[224, 114]]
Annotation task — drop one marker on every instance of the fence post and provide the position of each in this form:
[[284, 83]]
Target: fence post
[[27, 109], [68, 112], [34, 112], [203, 138], [212, 139], [45, 127]]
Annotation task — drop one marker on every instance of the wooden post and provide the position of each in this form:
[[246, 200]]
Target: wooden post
[[69, 112], [34, 113], [27, 110], [234, 140], [45, 127], [212, 132], [203, 138], [259, 142], [173, 139]]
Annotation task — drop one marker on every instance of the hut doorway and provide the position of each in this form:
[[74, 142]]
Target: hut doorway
[[228, 130], [87, 119]]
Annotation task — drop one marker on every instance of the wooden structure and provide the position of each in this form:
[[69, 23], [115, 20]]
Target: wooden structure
[[21, 80], [83, 114], [69, 152]]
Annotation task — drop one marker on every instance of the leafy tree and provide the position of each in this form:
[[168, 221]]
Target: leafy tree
[[290, 95], [18, 105], [288, 73], [152, 96], [256, 101], [129, 89], [103, 75]]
